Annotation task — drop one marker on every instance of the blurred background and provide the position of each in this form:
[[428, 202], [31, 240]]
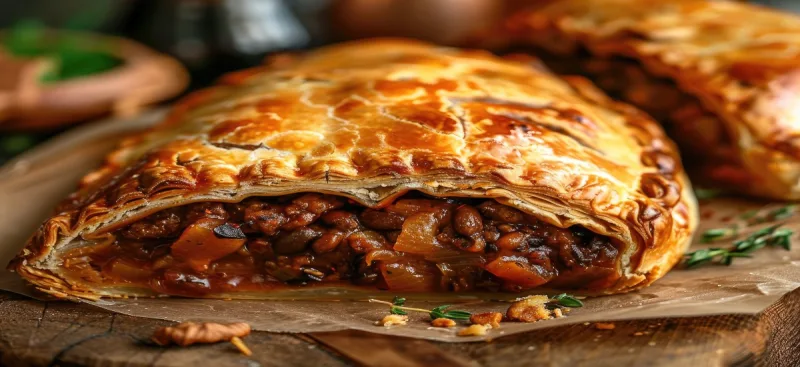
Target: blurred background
[[145, 51]]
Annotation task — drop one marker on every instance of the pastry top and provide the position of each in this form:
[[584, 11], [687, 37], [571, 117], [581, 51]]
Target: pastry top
[[373, 119], [741, 61]]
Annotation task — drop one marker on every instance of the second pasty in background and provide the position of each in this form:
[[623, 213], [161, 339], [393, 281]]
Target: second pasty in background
[[723, 77]]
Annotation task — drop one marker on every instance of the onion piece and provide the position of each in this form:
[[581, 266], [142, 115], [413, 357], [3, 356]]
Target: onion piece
[[419, 235], [383, 255], [518, 270], [416, 276]]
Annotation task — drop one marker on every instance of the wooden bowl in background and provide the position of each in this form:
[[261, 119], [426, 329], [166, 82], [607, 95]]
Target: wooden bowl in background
[[143, 77]]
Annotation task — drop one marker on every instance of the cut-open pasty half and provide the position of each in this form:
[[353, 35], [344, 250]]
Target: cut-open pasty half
[[382, 164]]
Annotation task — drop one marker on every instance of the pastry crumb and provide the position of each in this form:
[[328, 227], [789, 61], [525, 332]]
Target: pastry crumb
[[604, 326], [557, 313], [474, 330], [529, 309], [487, 318], [443, 322], [188, 333], [390, 320]]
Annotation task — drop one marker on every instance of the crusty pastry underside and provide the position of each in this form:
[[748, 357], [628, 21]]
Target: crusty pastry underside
[[374, 119], [739, 60]]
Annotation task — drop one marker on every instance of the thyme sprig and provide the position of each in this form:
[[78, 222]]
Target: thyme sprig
[[770, 236], [442, 312], [398, 308], [752, 217]]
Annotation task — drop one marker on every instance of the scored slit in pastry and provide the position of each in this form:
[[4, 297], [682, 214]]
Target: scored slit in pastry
[[722, 76], [383, 164]]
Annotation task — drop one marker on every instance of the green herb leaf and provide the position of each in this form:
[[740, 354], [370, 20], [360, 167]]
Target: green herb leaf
[[782, 238], [398, 301], [700, 256], [712, 235], [441, 312], [568, 301]]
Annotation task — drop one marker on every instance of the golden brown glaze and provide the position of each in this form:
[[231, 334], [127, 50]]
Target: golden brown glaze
[[741, 61], [374, 119]]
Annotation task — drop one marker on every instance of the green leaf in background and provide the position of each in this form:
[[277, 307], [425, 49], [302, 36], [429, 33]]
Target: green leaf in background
[[70, 54], [24, 38]]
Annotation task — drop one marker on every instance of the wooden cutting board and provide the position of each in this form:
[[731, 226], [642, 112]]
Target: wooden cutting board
[[65, 333]]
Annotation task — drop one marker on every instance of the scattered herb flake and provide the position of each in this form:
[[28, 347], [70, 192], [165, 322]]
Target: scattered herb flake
[[566, 300]]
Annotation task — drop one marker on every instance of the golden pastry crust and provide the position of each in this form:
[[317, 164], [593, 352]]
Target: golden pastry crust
[[741, 61], [374, 119]]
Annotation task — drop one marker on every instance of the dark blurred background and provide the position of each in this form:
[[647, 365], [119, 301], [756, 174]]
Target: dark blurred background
[[214, 36], [211, 37]]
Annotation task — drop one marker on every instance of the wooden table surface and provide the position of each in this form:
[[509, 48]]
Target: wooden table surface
[[65, 333]]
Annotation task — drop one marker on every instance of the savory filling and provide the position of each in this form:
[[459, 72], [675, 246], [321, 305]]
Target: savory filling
[[417, 243]]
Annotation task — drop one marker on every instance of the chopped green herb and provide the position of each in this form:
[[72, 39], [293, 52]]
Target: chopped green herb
[[566, 300]]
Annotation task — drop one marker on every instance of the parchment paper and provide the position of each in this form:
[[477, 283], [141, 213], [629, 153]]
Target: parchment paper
[[32, 184]]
